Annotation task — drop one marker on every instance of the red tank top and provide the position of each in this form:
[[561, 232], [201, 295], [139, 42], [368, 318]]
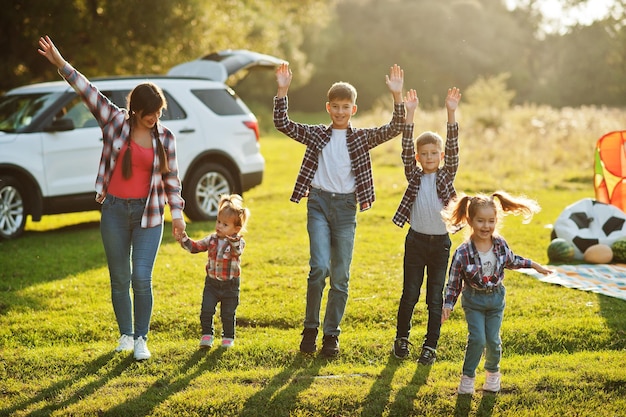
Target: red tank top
[[138, 185]]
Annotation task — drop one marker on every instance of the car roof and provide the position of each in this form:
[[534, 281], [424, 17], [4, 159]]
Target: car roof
[[129, 82]]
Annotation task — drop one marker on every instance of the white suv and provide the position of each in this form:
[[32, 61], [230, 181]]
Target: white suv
[[50, 143]]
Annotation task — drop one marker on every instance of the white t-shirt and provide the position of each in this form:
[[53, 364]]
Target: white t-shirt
[[334, 172], [426, 209], [488, 261]]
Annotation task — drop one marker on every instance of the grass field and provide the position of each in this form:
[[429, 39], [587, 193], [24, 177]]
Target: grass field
[[564, 350]]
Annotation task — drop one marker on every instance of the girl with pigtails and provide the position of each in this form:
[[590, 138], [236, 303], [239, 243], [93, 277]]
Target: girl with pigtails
[[222, 277], [133, 194], [477, 272]]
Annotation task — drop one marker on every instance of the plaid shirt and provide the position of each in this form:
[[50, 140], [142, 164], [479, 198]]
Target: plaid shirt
[[115, 130], [224, 260], [445, 175], [359, 142], [466, 268]]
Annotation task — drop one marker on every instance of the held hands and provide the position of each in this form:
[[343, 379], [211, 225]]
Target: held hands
[[395, 81], [47, 49], [283, 79], [178, 229]]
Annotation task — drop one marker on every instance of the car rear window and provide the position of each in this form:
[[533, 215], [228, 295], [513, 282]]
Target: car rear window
[[220, 101], [173, 112]]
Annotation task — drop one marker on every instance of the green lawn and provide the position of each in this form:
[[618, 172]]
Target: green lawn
[[564, 350]]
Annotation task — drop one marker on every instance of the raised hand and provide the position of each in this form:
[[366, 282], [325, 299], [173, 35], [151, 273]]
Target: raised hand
[[283, 78], [395, 80], [453, 98], [47, 49], [410, 100]]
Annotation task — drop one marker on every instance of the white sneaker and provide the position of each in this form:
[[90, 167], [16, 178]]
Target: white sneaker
[[227, 342], [492, 383], [467, 385], [141, 349], [125, 342]]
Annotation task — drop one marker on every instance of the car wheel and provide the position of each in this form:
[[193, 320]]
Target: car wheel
[[12, 210], [203, 190]]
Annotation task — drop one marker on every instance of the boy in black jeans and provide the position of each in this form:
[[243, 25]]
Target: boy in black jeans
[[427, 244]]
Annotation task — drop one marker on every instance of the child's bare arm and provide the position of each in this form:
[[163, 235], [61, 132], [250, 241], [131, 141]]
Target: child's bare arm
[[283, 79], [452, 102], [541, 269], [395, 81]]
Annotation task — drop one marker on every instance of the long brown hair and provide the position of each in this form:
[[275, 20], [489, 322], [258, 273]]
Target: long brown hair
[[145, 98]]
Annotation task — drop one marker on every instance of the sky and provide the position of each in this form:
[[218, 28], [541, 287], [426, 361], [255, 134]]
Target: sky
[[558, 19]]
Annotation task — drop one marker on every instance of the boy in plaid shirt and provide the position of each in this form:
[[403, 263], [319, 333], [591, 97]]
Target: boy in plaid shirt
[[335, 176], [223, 269]]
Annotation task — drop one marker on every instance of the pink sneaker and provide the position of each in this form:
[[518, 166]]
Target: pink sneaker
[[206, 342], [227, 342]]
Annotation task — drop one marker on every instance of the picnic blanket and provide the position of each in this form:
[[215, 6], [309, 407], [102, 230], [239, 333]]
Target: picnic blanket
[[609, 280]]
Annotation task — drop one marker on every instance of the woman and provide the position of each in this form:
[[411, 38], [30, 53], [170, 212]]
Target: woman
[[132, 192]]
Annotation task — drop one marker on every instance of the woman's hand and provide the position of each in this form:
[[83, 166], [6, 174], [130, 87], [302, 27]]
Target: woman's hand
[[47, 49]]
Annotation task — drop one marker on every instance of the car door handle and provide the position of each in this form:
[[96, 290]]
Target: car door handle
[[187, 130]]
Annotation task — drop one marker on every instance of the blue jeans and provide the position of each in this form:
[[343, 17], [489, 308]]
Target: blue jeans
[[331, 223], [226, 293], [483, 313], [430, 253], [131, 252]]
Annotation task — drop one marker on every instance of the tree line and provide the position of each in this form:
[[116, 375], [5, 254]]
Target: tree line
[[439, 44]]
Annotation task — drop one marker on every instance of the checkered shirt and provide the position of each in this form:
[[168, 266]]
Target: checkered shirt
[[444, 176], [115, 130], [359, 142]]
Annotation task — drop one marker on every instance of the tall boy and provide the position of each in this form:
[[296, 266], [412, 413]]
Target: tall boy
[[427, 244], [335, 175]]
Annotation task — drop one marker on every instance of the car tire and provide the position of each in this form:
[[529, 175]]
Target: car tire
[[12, 208], [202, 192]]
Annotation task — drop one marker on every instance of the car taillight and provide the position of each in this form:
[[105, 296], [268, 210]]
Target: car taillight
[[254, 126]]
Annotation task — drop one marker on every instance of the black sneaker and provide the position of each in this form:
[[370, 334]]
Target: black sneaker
[[330, 345], [307, 345], [401, 348], [428, 356]]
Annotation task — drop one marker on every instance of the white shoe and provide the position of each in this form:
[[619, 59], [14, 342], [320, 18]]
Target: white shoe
[[467, 385], [227, 342], [492, 383], [141, 349], [125, 342]]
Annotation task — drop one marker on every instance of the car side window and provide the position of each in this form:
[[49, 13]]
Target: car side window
[[220, 101], [78, 113]]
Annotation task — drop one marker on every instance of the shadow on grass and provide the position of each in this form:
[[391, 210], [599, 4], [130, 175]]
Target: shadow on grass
[[280, 394], [165, 387], [46, 256], [378, 397], [404, 402], [55, 390], [613, 311], [463, 405]]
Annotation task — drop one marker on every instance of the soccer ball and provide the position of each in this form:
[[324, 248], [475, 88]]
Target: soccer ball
[[589, 222]]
